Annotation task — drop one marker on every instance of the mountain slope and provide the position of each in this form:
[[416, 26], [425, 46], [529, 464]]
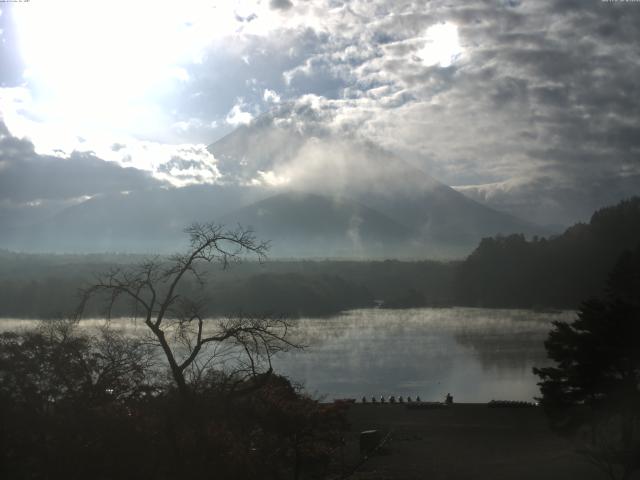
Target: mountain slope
[[561, 271], [358, 201], [310, 225], [446, 222], [143, 221]]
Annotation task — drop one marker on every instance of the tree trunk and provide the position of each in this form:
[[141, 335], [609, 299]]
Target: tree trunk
[[176, 372]]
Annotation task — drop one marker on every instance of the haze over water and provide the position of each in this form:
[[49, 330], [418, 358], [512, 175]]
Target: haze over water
[[475, 354]]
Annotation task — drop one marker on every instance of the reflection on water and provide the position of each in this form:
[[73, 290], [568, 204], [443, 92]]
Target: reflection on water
[[476, 354]]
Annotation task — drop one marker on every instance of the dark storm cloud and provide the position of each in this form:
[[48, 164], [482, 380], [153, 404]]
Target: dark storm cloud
[[26, 176]]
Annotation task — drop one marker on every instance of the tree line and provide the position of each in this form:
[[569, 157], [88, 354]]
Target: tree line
[[46, 286], [557, 272], [503, 272]]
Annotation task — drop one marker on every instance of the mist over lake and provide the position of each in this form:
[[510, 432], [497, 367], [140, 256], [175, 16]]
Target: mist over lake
[[231, 230], [475, 354]]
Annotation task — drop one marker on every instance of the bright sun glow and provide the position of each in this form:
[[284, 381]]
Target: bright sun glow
[[442, 45], [99, 64]]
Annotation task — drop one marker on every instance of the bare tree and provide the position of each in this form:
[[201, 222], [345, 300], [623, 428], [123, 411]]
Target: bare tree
[[176, 317]]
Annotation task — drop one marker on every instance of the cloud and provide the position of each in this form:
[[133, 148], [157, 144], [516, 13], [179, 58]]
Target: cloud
[[538, 91], [532, 91], [26, 176], [147, 156], [294, 150], [269, 179], [194, 129], [174, 164], [554, 199], [237, 116], [508, 94], [280, 4], [189, 165], [270, 96]]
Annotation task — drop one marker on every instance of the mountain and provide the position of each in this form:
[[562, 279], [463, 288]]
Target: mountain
[[257, 147], [311, 192], [147, 221], [443, 222], [309, 225], [297, 224]]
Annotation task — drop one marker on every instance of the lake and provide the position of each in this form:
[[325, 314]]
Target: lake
[[475, 354]]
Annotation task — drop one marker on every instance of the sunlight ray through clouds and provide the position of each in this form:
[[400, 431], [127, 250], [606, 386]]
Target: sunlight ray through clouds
[[507, 99]]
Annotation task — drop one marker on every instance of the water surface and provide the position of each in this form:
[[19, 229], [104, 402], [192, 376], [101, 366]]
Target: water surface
[[475, 354]]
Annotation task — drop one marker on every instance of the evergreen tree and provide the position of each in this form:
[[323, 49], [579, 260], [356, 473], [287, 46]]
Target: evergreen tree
[[593, 391]]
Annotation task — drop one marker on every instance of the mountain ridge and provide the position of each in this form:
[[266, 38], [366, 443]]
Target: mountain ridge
[[390, 208]]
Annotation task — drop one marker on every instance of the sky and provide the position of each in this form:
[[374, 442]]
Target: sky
[[532, 107]]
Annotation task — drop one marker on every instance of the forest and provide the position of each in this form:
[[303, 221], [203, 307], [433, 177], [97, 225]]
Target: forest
[[503, 271], [556, 272]]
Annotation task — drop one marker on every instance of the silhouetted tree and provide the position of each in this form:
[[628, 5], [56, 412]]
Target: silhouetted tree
[[84, 405], [66, 398], [77, 406], [594, 388], [177, 317]]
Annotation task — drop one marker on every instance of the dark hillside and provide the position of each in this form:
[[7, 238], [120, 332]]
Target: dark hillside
[[561, 271]]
